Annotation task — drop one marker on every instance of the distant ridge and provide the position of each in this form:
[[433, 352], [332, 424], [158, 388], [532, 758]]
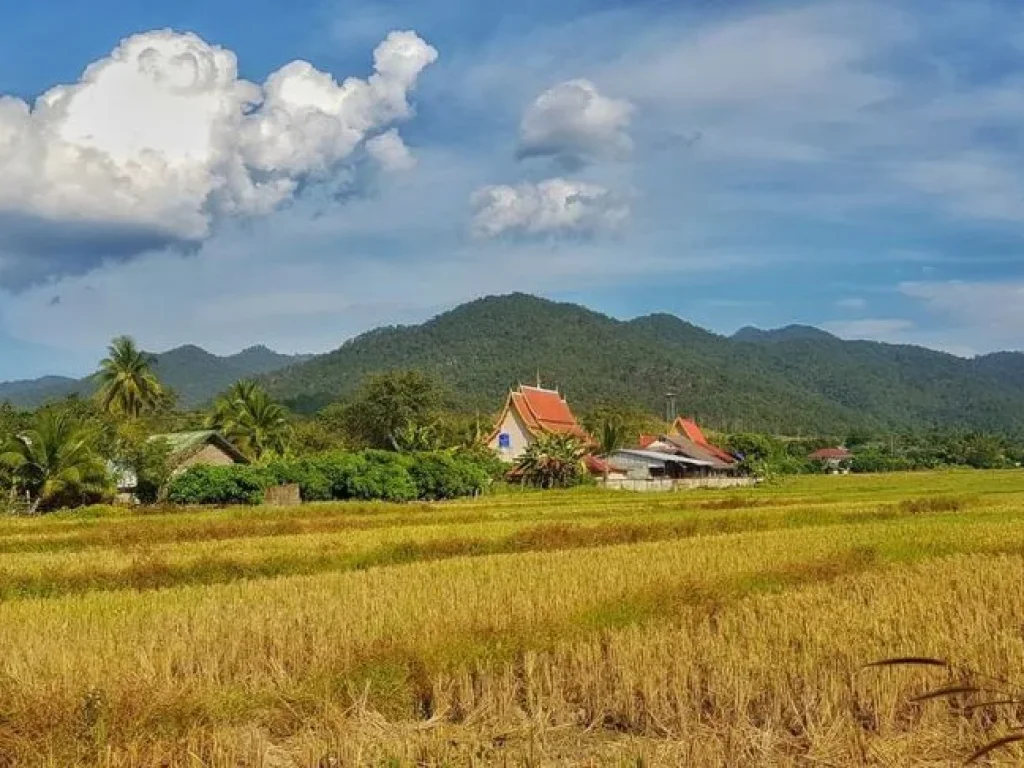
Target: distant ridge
[[795, 379], [197, 376], [792, 380]]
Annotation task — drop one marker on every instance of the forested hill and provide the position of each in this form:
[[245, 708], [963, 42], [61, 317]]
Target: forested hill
[[795, 379], [196, 375]]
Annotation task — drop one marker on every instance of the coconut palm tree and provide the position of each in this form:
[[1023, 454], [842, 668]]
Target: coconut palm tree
[[250, 419], [128, 386], [227, 406], [56, 462]]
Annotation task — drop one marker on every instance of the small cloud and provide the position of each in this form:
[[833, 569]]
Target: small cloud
[[552, 207], [575, 124], [994, 310]]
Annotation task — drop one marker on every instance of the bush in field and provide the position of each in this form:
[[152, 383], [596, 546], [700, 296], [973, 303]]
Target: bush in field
[[484, 459], [444, 476], [366, 476], [309, 474], [220, 485], [337, 472], [877, 461], [385, 477]]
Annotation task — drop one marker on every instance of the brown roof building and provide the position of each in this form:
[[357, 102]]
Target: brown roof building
[[830, 455], [687, 440]]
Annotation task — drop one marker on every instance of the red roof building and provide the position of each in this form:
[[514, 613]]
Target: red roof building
[[831, 454], [530, 412], [688, 429]]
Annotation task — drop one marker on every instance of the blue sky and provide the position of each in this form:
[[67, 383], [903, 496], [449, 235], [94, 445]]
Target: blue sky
[[168, 170]]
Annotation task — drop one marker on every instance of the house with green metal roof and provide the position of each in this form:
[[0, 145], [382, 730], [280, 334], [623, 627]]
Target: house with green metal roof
[[187, 449]]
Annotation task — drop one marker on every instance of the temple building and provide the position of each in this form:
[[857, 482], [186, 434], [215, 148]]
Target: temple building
[[529, 413]]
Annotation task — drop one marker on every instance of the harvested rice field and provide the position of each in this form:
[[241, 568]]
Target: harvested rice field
[[547, 628]]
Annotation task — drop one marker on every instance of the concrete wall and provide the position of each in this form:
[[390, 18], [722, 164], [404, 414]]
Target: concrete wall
[[629, 484], [283, 496]]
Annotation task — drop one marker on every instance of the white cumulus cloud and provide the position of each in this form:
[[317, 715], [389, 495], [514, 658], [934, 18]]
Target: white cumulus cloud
[[574, 123], [555, 206], [163, 138]]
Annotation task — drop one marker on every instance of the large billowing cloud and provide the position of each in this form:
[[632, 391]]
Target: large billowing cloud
[[552, 207], [575, 124], [162, 139]]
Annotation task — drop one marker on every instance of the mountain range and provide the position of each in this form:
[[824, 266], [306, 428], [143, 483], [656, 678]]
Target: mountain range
[[197, 376], [797, 379], [792, 380]]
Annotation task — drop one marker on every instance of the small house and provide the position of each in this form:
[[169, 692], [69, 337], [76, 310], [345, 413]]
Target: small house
[[687, 440], [203, 448], [640, 464], [187, 449], [833, 459], [530, 412]]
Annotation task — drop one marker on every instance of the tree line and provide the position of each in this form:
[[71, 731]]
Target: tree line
[[67, 453]]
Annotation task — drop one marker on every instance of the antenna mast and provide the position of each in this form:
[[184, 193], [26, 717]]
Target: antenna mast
[[670, 407]]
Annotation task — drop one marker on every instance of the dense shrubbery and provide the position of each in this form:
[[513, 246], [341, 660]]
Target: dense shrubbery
[[442, 476], [236, 484], [366, 476]]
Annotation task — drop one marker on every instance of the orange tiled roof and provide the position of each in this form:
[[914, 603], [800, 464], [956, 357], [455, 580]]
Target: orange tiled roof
[[548, 409], [545, 410]]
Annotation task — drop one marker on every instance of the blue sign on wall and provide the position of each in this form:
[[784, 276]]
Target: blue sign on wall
[[504, 440]]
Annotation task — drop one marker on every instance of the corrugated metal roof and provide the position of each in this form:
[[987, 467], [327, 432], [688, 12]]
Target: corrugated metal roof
[[697, 451], [180, 442], [183, 444], [688, 428], [661, 458]]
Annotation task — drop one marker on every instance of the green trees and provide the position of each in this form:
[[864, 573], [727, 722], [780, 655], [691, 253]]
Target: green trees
[[553, 461], [127, 385], [56, 461], [147, 459], [616, 424], [397, 410], [767, 456], [249, 418], [611, 437], [365, 475]]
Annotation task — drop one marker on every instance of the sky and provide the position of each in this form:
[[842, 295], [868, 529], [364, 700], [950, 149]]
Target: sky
[[292, 174]]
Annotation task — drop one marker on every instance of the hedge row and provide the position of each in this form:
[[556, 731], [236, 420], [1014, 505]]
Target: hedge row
[[367, 475]]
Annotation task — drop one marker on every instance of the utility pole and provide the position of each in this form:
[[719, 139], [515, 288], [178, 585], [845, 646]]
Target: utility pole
[[670, 407]]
